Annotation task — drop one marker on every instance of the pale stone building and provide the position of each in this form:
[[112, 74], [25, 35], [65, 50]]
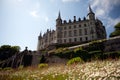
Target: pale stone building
[[74, 31]]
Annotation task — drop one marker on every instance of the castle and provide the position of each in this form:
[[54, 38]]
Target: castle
[[75, 31]]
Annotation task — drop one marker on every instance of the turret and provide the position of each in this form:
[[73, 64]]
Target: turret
[[59, 20], [40, 36], [91, 15]]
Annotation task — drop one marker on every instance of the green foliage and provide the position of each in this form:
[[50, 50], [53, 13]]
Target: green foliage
[[96, 45], [68, 54], [78, 49], [42, 65], [117, 26], [81, 53], [63, 53], [75, 60], [117, 31], [59, 50], [7, 51], [16, 48]]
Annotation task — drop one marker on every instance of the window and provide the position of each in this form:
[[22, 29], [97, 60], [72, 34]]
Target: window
[[75, 32], [69, 27], [79, 26], [86, 38], [64, 40], [70, 34], [65, 33], [92, 31], [85, 31], [74, 26], [92, 37], [80, 32], [65, 28], [70, 40], [85, 25], [75, 39], [80, 39]]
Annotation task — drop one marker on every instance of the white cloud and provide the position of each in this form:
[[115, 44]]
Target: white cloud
[[100, 12], [112, 22], [70, 0], [34, 14]]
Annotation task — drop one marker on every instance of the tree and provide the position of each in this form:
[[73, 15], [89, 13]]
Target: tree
[[117, 30], [7, 51]]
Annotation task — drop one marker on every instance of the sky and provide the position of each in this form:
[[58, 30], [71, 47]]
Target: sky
[[21, 21]]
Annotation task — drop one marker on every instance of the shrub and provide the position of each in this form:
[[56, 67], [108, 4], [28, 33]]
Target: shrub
[[81, 53], [78, 49], [96, 45], [67, 54], [75, 60], [42, 65]]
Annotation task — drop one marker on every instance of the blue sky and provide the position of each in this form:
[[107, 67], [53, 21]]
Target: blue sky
[[21, 21]]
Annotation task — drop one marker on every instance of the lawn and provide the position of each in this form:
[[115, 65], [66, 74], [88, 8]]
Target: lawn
[[94, 70]]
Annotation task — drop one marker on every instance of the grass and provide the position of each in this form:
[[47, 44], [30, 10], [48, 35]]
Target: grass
[[95, 70]]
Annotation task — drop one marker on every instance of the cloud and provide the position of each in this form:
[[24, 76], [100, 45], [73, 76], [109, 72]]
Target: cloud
[[103, 8], [70, 0], [112, 22], [34, 14]]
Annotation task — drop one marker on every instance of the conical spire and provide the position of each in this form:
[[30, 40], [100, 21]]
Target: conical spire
[[40, 34], [90, 10], [59, 16]]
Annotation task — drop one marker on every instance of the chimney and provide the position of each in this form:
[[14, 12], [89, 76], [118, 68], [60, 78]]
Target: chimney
[[74, 18]]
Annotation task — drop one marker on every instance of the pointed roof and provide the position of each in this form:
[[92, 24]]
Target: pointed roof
[[90, 10], [59, 16], [40, 34]]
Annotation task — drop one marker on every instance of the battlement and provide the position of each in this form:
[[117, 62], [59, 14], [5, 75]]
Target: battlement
[[74, 20]]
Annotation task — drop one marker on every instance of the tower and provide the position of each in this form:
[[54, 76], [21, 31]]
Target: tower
[[58, 20], [91, 15], [39, 41], [58, 28]]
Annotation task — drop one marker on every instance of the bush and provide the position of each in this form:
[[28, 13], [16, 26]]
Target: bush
[[75, 60], [96, 45], [81, 53], [42, 65], [67, 54]]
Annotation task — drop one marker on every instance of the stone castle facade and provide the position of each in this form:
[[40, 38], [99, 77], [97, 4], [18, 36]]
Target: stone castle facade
[[74, 31]]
